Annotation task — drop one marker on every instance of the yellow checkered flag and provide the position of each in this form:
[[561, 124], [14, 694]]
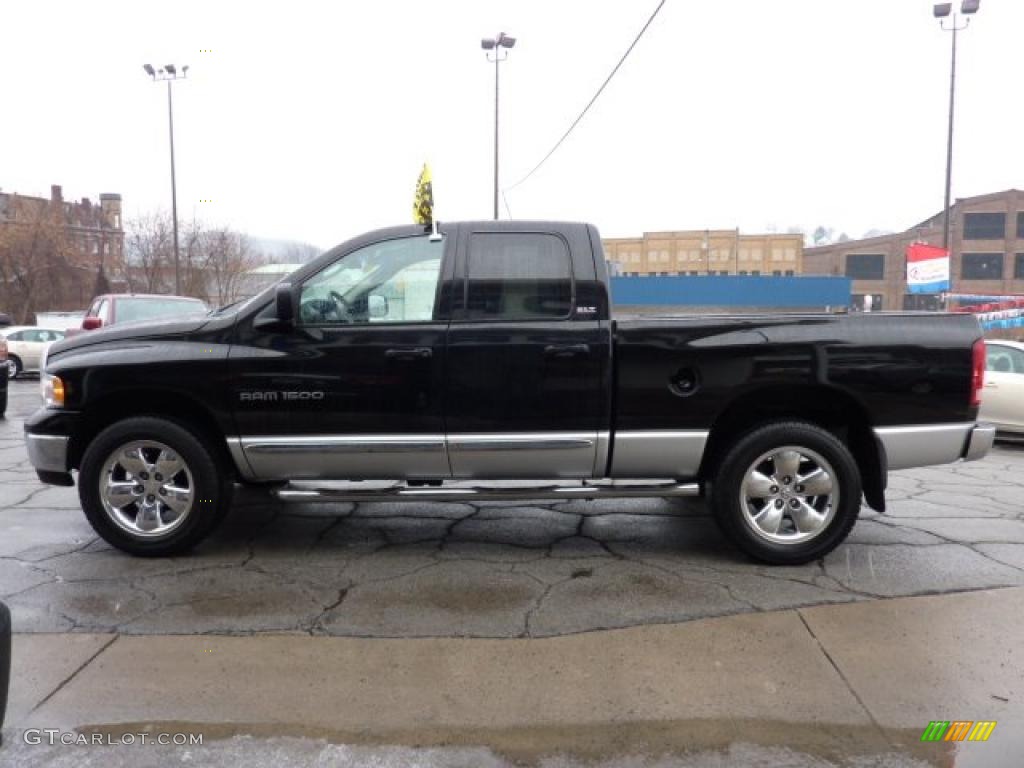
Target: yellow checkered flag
[[423, 202]]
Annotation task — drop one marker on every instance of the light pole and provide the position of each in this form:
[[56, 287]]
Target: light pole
[[941, 11], [170, 74], [496, 44]]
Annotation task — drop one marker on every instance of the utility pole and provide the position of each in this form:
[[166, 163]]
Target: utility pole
[[170, 74], [496, 44]]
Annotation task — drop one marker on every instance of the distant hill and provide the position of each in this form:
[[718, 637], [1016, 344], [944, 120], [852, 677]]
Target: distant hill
[[270, 250]]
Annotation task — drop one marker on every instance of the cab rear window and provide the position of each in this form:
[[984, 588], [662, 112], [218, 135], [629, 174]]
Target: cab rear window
[[518, 276]]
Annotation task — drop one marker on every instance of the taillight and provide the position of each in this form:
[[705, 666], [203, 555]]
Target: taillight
[[977, 372]]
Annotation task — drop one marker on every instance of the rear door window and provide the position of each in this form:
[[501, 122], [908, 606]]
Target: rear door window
[[518, 276]]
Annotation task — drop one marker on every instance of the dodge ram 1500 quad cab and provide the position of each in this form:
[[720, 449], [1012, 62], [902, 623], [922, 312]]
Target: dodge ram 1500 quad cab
[[486, 352]]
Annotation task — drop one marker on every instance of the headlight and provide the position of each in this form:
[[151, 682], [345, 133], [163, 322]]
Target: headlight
[[52, 390]]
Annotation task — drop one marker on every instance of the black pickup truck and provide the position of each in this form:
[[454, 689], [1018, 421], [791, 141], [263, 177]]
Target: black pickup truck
[[486, 351]]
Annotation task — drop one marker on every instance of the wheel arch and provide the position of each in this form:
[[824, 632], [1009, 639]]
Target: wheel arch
[[825, 407], [174, 406]]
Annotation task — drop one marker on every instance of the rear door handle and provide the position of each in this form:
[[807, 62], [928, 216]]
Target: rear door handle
[[566, 350], [409, 353]]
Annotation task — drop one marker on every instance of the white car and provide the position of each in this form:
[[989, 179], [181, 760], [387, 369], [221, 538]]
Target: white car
[[25, 346], [1002, 399]]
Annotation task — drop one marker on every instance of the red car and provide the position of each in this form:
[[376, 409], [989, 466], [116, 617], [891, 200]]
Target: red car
[[115, 308]]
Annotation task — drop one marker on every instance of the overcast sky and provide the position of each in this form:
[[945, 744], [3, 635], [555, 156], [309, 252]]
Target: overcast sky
[[310, 120]]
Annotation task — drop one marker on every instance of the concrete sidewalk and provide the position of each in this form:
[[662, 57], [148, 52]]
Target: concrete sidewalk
[[832, 682]]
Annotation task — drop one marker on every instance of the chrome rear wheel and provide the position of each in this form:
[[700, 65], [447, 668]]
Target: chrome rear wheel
[[789, 494]]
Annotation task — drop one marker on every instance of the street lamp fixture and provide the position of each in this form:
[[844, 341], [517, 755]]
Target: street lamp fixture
[[170, 73], [941, 11], [496, 44]]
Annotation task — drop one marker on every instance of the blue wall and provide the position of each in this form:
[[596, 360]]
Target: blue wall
[[732, 291]]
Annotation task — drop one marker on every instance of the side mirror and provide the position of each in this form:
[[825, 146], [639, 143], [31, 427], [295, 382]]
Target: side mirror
[[92, 323], [377, 305], [284, 302]]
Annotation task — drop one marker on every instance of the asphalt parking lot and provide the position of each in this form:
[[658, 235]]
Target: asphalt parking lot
[[497, 570]]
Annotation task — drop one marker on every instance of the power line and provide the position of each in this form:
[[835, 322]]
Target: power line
[[591, 102]]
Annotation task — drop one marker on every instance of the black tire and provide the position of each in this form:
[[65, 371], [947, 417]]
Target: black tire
[[734, 514], [3, 402], [13, 373], [211, 485]]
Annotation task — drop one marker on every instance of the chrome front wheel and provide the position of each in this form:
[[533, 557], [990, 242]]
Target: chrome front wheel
[[146, 488], [152, 486]]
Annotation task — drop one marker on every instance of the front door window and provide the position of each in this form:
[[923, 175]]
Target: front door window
[[394, 281]]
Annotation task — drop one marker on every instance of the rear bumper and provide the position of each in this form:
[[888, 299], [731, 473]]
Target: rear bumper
[[925, 445], [979, 442]]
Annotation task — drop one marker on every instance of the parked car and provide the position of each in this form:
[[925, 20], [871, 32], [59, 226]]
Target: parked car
[[1002, 400], [3, 379], [26, 345], [116, 308], [487, 352]]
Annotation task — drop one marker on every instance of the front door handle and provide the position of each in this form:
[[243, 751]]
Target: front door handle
[[566, 350], [409, 353]]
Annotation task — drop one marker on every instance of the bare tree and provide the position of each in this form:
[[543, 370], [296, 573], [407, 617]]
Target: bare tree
[[149, 254], [213, 261], [38, 268], [226, 259]]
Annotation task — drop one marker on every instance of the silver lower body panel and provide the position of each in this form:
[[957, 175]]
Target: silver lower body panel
[[469, 456], [658, 453], [498, 456], [925, 445]]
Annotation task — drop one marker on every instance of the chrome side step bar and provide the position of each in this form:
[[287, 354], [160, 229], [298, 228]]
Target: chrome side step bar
[[294, 493]]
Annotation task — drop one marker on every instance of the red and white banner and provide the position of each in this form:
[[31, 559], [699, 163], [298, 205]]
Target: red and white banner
[[927, 268]]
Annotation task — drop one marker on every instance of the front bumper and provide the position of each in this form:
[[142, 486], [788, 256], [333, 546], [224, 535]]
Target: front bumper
[[48, 437], [48, 453]]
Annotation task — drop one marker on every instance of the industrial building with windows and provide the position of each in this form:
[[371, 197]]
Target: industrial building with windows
[[705, 252], [986, 245]]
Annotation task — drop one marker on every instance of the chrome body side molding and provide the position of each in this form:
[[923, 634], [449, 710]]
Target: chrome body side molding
[[923, 445], [658, 453]]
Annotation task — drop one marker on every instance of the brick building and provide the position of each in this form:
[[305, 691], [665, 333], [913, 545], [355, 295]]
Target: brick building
[[91, 229], [705, 252], [52, 251], [987, 254]]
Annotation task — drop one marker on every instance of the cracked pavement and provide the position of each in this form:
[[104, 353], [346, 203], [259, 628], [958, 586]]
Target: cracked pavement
[[487, 569]]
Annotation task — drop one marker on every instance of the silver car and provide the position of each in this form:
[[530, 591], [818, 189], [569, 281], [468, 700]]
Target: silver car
[[1002, 399], [25, 347]]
